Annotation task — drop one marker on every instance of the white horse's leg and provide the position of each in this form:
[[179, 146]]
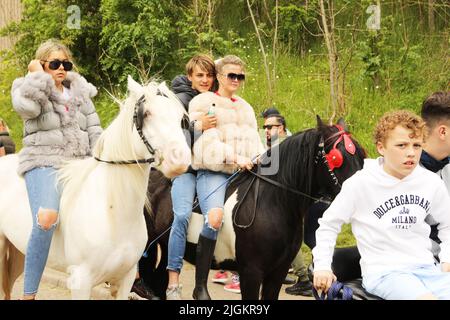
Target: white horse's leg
[[124, 285], [80, 283]]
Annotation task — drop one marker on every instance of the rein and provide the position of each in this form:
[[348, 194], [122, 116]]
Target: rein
[[321, 153]]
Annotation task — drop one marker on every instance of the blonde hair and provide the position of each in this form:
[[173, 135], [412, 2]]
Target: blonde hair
[[407, 119], [230, 59], [46, 48]]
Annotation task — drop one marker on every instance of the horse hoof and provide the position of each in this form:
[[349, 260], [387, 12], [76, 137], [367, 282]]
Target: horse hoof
[[201, 293]]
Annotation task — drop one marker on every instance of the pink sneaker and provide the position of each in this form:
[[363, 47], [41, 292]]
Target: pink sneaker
[[234, 286], [220, 277]]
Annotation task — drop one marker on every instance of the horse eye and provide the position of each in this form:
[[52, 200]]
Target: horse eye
[[147, 114]]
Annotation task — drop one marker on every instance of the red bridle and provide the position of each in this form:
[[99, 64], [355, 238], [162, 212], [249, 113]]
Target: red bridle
[[335, 158]]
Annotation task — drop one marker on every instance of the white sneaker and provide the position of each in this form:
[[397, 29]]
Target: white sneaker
[[174, 292]]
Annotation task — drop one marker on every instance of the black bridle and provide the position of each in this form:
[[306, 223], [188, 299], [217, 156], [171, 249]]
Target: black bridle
[[138, 121], [321, 154]]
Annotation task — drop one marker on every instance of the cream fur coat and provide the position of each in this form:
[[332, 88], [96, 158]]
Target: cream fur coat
[[236, 133]]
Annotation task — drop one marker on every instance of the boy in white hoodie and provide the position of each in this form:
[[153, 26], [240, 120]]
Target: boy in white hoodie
[[387, 203]]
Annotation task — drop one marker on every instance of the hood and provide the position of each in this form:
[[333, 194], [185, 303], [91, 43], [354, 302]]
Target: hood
[[431, 163], [374, 169], [181, 84]]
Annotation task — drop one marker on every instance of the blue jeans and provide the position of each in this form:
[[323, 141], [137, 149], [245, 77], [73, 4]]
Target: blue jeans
[[207, 182], [409, 283], [42, 193], [183, 193]]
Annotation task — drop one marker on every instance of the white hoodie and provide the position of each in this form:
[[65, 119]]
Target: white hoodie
[[388, 219]]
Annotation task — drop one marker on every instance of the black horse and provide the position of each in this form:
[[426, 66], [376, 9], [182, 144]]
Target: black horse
[[268, 209]]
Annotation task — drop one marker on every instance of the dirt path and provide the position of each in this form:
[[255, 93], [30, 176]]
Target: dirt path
[[53, 287]]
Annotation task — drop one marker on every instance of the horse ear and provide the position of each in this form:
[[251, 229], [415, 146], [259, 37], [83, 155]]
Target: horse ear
[[342, 123], [135, 88], [320, 123]]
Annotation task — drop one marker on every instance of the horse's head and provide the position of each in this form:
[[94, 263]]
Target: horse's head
[[339, 156], [157, 127]]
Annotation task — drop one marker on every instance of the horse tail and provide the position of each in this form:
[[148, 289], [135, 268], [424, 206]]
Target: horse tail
[[6, 287], [12, 261]]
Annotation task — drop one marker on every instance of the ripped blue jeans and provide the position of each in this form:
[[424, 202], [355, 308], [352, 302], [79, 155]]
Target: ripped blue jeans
[[42, 193], [207, 182]]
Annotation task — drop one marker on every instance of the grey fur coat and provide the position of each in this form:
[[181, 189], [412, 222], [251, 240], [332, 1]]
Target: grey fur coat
[[54, 129]]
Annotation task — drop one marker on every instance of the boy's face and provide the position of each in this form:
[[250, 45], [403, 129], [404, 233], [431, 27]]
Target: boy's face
[[202, 80], [401, 152]]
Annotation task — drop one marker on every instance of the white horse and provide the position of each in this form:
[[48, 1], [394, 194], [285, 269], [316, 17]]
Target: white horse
[[101, 233]]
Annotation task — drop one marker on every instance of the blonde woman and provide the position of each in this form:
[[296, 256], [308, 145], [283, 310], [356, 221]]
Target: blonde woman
[[60, 123], [219, 152]]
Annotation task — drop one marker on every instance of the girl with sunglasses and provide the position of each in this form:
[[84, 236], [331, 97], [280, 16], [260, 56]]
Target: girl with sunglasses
[[60, 123], [219, 152]]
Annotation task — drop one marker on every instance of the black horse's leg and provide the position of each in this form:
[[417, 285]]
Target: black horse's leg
[[272, 283], [250, 282]]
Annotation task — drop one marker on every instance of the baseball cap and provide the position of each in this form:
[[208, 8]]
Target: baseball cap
[[269, 112]]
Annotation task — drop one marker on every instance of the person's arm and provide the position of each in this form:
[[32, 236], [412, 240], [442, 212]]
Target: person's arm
[[2, 149], [31, 92], [339, 212], [439, 212], [93, 126]]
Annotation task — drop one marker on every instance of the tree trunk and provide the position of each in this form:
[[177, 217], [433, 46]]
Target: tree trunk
[[263, 51], [431, 15], [275, 43], [328, 32], [196, 5]]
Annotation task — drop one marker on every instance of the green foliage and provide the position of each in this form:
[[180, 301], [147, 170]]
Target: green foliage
[[8, 72], [138, 38], [297, 22]]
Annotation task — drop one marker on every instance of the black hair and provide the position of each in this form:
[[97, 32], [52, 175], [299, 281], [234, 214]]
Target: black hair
[[281, 120], [436, 108]]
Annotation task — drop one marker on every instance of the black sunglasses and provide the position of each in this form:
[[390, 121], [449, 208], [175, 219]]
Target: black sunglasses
[[236, 76], [55, 64], [270, 126]]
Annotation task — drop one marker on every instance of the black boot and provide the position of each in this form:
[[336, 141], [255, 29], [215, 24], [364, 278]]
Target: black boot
[[203, 259]]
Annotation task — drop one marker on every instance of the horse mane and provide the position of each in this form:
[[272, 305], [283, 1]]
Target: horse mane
[[296, 164], [114, 144]]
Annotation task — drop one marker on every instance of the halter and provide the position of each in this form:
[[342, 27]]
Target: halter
[[334, 158], [138, 121]]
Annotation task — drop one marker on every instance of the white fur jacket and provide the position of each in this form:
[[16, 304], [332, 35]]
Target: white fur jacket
[[54, 129], [236, 133]]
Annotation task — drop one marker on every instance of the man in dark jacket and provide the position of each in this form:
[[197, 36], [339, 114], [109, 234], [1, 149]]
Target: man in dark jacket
[[5, 139]]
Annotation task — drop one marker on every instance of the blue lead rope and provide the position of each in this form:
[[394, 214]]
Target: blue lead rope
[[337, 291]]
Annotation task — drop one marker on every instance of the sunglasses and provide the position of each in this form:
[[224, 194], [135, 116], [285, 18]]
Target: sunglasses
[[236, 76], [55, 64], [270, 126]]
